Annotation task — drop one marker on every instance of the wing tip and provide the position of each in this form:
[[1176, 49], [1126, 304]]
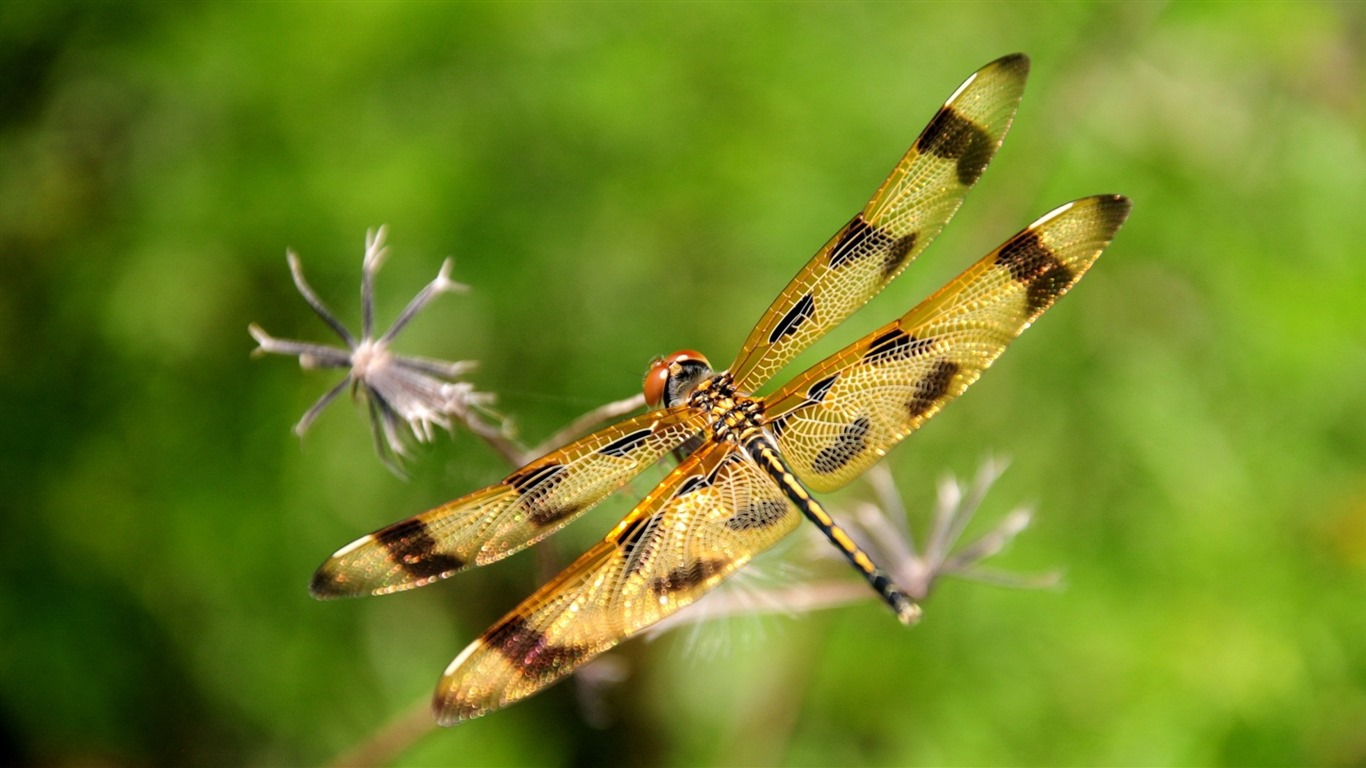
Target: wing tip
[[448, 710], [1114, 209], [453, 702], [329, 584], [1016, 63]]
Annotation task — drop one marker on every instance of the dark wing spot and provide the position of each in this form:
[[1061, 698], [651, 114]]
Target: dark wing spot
[[536, 484], [543, 514], [1114, 209], [629, 538], [1033, 263], [412, 547], [896, 255], [1016, 62], [326, 586], [622, 446], [928, 390], [530, 652], [795, 317], [639, 542], [692, 485], [1047, 286], [893, 346], [860, 240], [777, 426], [1025, 256], [760, 514], [850, 442], [818, 390], [850, 244], [527, 479], [728, 461], [686, 577], [954, 137], [689, 446]]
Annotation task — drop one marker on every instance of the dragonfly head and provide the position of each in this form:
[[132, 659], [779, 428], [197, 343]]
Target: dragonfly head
[[673, 377]]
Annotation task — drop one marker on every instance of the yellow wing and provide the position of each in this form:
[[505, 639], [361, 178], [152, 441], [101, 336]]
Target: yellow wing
[[704, 521], [490, 524], [838, 418], [907, 212]]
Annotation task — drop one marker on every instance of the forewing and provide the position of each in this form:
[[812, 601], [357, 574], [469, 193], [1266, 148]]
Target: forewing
[[704, 521], [907, 212], [838, 418], [490, 524]]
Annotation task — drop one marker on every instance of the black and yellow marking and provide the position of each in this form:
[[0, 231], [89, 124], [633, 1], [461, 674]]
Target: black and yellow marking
[[1031, 262], [693, 484], [638, 542], [906, 213], [894, 258], [767, 457], [953, 137], [795, 317], [623, 446], [759, 514], [686, 577], [528, 479], [777, 427], [849, 443], [411, 546], [895, 345], [537, 484], [860, 240], [717, 509], [927, 391], [530, 652], [820, 389]]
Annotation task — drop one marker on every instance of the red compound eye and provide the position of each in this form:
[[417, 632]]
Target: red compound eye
[[657, 379]]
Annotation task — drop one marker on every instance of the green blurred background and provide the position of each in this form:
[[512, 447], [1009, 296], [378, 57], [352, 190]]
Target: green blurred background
[[618, 181]]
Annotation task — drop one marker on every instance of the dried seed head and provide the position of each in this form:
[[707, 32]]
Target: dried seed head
[[407, 396]]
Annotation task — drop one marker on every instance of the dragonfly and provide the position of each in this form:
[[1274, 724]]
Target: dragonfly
[[750, 465]]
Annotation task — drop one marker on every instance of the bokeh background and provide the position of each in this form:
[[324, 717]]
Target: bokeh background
[[618, 181]]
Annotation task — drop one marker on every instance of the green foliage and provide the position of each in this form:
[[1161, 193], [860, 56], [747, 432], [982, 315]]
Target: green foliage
[[616, 182]]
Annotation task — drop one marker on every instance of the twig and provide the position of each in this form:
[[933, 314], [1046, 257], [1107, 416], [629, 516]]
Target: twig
[[586, 422], [395, 738]]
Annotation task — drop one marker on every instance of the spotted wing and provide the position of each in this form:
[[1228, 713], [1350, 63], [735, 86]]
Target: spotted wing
[[838, 418], [490, 524], [704, 521], [907, 212]]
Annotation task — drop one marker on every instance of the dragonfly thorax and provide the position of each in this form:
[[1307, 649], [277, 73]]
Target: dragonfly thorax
[[686, 378]]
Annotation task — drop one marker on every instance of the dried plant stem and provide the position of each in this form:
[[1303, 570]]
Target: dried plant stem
[[516, 456], [586, 422], [395, 738], [497, 439]]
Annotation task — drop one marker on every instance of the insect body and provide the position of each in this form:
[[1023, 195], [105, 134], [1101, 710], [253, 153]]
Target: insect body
[[752, 464]]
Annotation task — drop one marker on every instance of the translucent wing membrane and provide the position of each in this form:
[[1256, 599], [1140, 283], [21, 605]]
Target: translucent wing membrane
[[838, 418], [490, 524], [907, 212], [736, 495], [707, 519]]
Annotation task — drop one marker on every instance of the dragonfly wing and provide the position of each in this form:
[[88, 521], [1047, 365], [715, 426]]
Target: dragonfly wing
[[490, 524], [838, 418], [907, 212], [708, 518]]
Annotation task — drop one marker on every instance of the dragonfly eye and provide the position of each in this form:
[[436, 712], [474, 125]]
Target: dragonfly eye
[[671, 378]]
